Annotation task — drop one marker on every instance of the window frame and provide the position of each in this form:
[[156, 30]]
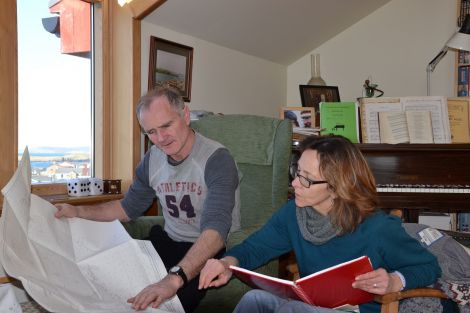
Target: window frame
[[107, 158]]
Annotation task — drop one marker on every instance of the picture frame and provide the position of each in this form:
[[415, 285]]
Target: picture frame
[[300, 116], [312, 95], [170, 63]]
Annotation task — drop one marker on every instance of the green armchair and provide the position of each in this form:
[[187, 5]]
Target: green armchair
[[261, 147]]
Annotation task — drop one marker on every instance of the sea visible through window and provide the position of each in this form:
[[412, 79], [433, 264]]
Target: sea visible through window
[[55, 89]]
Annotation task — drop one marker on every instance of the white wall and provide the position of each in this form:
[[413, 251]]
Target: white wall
[[224, 80], [393, 46]]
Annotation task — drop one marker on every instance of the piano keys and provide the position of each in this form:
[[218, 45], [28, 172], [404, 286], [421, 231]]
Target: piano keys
[[421, 177], [423, 188]]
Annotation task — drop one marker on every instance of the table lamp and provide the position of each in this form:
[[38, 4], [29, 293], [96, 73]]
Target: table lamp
[[459, 41]]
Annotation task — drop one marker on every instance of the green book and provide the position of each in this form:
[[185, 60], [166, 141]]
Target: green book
[[340, 118]]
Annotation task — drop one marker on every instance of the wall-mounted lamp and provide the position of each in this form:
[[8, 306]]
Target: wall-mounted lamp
[[123, 2], [459, 41]]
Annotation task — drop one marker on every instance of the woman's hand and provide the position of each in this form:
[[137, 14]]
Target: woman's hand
[[378, 282], [216, 272]]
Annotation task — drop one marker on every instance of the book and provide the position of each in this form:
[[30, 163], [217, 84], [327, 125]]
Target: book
[[459, 119], [462, 89], [329, 288], [464, 222], [405, 127], [307, 131], [370, 107], [340, 118]]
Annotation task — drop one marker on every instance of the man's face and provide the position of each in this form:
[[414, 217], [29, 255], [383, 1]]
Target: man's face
[[167, 129]]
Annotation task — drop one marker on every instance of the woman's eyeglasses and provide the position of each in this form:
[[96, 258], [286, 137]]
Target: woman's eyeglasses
[[304, 181]]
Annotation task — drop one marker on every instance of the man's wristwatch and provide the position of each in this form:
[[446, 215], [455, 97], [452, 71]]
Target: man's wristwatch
[[178, 271]]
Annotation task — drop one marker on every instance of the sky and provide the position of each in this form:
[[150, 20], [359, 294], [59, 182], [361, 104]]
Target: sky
[[53, 89]]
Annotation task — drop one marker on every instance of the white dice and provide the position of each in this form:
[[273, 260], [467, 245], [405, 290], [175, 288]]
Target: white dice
[[96, 186], [79, 187]]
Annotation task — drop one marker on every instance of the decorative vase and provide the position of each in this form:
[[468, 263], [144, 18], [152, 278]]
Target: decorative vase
[[316, 77]]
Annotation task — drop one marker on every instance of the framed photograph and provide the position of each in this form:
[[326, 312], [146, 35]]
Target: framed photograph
[[312, 95], [300, 116], [170, 64]]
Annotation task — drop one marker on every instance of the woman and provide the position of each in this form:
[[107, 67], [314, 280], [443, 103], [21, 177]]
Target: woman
[[333, 219]]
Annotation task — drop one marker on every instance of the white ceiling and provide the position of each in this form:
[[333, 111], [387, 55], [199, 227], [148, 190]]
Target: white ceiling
[[281, 31]]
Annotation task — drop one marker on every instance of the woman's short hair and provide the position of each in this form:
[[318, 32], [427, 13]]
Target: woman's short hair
[[348, 175]]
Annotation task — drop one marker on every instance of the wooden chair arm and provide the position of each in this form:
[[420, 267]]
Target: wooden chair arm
[[389, 301], [6, 279], [293, 271], [418, 292]]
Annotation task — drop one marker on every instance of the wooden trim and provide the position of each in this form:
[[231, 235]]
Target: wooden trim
[[142, 8], [107, 160], [136, 90], [49, 189], [8, 92]]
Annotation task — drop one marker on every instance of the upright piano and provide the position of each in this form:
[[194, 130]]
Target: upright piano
[[421, 177]]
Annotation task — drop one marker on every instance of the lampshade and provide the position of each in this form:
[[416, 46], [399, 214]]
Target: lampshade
[[461, 39]]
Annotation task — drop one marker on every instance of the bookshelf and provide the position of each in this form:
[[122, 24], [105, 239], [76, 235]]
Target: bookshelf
[[462, 72], [462, 59]]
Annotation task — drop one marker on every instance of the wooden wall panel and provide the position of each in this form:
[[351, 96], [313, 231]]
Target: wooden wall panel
[[8, 92]]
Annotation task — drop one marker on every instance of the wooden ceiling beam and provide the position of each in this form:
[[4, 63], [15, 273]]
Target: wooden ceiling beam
[[142, 8]]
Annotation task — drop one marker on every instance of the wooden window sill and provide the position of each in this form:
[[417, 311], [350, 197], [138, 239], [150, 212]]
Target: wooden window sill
[[81, 200], [57, 193]]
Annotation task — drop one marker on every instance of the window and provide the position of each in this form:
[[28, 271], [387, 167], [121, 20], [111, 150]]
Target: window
[[55, 88]]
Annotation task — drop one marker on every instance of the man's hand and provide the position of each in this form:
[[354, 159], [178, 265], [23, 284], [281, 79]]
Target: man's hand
[[155, 294], [101, 212], [216, 272], [66, 210]]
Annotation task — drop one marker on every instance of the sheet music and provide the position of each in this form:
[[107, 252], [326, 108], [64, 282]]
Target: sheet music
[[370, 107], [439, 114], [393, 127], [419, 126], [73, 265], [370, 112]]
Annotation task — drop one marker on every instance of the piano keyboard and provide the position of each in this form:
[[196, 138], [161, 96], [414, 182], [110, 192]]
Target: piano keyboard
[[423, 188]]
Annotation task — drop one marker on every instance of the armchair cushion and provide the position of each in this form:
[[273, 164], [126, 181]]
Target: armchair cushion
[[249, 138]]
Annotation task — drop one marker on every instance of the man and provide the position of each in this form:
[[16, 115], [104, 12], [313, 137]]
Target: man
[[196, 182]]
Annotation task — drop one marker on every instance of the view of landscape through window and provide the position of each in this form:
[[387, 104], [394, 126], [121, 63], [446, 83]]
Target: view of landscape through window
[[54, 99]]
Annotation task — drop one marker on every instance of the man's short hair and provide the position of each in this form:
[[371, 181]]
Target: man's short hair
[[172, 94]]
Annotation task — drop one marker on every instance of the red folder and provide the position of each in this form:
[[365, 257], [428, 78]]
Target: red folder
[[329, 288]]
